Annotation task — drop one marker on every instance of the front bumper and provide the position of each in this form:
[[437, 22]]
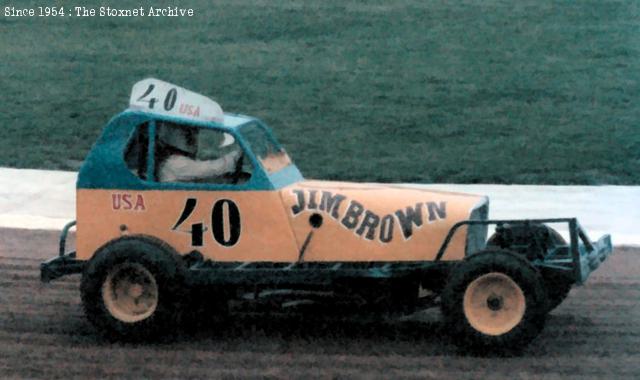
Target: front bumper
[[590, 256], [581, 256], [577, 260]]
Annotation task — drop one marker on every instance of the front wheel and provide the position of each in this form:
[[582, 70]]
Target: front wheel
[[534, 242], [494, 301]]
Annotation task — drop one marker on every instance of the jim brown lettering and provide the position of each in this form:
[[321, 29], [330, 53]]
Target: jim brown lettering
[[367, 223]]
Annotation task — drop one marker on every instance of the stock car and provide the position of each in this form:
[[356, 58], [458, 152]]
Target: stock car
[[145, 242]]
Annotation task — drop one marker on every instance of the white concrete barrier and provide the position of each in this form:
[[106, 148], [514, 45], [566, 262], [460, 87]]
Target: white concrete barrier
[[42, 199], [600, 209], [36, 199]]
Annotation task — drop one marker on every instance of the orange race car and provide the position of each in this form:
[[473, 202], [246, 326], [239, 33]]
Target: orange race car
[[177, 195]]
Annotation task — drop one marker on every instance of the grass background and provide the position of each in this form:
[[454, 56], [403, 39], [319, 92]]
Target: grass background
[[416, 91]]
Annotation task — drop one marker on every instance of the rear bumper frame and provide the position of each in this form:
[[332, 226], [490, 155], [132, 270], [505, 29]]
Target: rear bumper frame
[[59, 266], [63, 264]]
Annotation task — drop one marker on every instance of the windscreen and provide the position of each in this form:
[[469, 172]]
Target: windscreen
[[272, 157]]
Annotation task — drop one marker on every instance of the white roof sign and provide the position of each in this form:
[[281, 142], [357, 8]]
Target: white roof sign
[[156, 96]]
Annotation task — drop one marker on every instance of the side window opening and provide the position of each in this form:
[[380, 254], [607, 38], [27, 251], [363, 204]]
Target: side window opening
[[186, 154], [136, 153], [272, 157]]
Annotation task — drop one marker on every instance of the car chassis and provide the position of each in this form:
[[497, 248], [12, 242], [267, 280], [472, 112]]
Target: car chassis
[[577, 260]]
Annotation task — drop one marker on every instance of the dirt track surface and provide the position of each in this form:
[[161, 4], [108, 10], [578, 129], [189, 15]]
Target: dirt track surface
[[43, 334]]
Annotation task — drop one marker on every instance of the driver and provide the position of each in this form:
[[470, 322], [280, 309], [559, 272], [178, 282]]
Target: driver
[[177, 147]]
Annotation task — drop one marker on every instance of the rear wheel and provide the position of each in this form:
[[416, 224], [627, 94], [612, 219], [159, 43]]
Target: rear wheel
[[133, 289], [494, 301], [130, 292]]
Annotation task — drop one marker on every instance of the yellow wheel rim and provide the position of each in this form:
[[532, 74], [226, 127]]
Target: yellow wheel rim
[[494, 304], [130, 292]]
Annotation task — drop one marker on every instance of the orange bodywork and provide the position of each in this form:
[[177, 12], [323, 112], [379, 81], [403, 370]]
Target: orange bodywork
[[375, 222], [308, 221], [265, 233]]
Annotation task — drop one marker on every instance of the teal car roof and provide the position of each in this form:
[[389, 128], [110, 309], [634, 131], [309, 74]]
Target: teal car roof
[[104, 167], [230, 121]]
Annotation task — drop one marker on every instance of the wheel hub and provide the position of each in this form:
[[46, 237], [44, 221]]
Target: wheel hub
[[130, 292], [136, 290], [494, 304]]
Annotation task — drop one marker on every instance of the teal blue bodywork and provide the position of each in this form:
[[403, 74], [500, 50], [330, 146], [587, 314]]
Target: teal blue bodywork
[[105, 167]]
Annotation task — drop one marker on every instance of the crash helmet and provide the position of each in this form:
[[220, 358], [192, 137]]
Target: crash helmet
[[184, 139]]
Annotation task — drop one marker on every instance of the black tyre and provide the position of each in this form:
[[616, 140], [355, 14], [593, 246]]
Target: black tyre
[[494, 301], [532, 241], [558, 285], [534, 244], [133, 288]]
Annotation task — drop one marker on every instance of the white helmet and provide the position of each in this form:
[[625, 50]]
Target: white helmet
[[182, 138], [227, 140]]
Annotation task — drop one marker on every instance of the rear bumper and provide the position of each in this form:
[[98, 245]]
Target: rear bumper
[[60, 266], [64, 263]]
